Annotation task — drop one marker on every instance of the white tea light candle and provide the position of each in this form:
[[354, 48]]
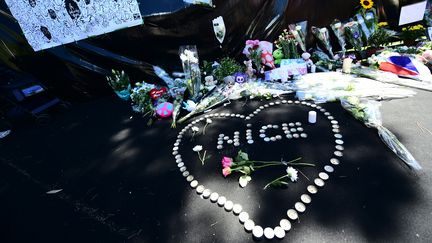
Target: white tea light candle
[[312, 117]]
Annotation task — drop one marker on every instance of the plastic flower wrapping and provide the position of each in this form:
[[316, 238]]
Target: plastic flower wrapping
[[323, 35], [367, 111], [253, 90], [332, 86], [428, 14], [354, 35], [371, 20], [299, 35], [339, 31], [213, 98], [219, 28], [190, 63], [120, 83]]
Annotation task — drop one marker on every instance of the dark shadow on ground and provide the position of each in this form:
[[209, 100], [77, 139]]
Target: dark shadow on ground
[[119, 177]]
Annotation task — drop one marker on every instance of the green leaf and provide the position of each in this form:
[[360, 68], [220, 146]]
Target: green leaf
[[242, 156], [280, 183], [246, 170]]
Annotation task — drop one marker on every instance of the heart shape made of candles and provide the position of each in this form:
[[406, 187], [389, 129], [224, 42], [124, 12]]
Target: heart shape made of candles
[[305, 198]]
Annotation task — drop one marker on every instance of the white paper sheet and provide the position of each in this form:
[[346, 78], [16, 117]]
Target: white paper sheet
[[52, 23], [412, 13]]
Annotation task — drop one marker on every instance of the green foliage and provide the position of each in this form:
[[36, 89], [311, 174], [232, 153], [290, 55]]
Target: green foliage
[[207, 68], [255, 56], [411, 33], [381, 37], [141, 98], [118, 80], [228, 66], [289, 48], [280, 183], [242, 156]]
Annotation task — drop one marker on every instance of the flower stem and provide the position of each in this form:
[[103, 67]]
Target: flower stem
[[303, 174], [204, 157], [301, 164], [280, 162], [267, 165], [275, 180], [205, 128]]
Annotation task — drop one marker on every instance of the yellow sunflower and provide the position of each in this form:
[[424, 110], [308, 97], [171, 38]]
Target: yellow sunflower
[[367, 4]]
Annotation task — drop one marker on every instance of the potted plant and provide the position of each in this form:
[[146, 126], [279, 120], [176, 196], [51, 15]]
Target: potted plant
[[410, 34], [379, 38]]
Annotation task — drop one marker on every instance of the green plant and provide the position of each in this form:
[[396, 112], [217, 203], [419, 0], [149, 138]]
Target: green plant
[[228, 66], [207, 68], [288, 44], [381, 37], [141, 98], [118, 80], [412, 33]]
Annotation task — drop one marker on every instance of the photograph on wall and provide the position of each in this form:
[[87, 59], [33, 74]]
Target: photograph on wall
[[47, 24]]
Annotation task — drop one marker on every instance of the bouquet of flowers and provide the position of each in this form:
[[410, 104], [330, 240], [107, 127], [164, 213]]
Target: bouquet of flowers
[[428, 14], [253, 90], [299, 35], [253, 51], [354, 35], [339, 31], [120, 83], [215, 97], [242, 164], [368, 112], [190, 62], [381, 37], [141, 98], [287, 42], [322, 34]]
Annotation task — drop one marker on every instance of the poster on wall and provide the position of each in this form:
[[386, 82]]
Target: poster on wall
[[47, 24]]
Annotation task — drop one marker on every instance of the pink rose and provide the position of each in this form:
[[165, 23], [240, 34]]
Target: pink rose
[[252, 42], [226, 171], [226, 162]]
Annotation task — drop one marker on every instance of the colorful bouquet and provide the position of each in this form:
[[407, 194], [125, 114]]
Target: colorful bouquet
[[253, 52]]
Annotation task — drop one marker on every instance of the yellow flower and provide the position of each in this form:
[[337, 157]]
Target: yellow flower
[[367, 4], [382, 24]]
